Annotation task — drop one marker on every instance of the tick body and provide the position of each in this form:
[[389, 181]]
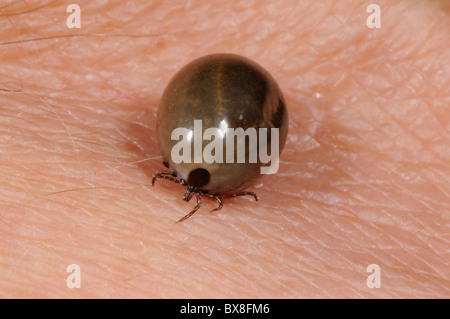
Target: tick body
[[223, 91]]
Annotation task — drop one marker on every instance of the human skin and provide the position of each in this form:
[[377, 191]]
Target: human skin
[[364, 176]]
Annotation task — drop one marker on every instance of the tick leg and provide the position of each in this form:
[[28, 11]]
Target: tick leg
[[171, 176], [241, 194], [199, 204], [218, 198], [188, 195]]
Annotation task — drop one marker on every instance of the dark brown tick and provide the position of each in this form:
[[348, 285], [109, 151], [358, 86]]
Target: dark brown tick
[[223, 91]]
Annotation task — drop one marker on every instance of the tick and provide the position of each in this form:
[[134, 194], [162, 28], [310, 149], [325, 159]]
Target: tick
[[222, 123]]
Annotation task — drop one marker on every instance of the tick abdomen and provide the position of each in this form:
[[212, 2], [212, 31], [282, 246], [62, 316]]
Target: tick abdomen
[[223, 91]]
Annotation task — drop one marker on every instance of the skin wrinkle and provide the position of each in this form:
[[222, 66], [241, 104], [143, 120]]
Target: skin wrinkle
[[363, 177], [28, 11]]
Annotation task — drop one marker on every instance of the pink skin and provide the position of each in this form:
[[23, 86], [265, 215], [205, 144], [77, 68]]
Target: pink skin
[[364, 176]]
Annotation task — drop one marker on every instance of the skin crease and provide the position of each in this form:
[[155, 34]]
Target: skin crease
[[363, 179]]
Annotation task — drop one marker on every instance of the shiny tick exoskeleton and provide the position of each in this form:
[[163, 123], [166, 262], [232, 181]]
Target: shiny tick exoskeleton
[[221, 122]]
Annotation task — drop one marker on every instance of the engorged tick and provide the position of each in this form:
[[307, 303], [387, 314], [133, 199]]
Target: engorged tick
[[223, 91]]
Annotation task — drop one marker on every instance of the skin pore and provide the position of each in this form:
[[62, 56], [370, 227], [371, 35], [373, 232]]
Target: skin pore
[[364, 176]]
